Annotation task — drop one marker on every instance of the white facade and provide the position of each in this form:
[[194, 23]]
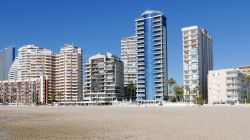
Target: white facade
[[197, 60], [63, 71], [33, 62], [128, 56], [103, 78], [226, 86]]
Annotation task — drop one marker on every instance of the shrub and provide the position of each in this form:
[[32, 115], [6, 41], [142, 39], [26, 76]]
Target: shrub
[[199, 100], [248, 101]]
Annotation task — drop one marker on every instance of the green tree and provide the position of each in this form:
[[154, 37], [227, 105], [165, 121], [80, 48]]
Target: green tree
[[248, 101], [1, 100], [130, 90], [248, 77], [248, 86], [197, 92], [178, 92], [171, 82], [199, 100]]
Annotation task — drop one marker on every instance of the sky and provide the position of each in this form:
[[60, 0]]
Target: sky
[[98, 26]]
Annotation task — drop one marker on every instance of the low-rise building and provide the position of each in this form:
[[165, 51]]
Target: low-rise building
[[30, 91], [226, 86]]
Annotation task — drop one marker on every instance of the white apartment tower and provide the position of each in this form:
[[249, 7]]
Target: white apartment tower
[[103, 78], [69, 76], [63, 71], [197, 60], [226, 86], [128, 56], [34, 62]]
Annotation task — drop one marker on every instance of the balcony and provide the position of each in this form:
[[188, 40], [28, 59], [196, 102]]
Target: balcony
[[140, 63], [138, 27], [158, 43], [140, 90], [139, 32]]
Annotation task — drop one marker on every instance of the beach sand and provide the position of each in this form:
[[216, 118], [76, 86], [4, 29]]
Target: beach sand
[[116, 123]]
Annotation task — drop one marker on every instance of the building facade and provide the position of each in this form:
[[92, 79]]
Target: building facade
[[29, 91], [7, 56], [63, 71], [151, 34], [33, 62], [197, 61], [245, 69], [128, 56], [103, 78], [226, 86], [69, 74]]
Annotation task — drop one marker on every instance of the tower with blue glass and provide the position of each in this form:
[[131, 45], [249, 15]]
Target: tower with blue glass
[[7, 56], [151, 33]]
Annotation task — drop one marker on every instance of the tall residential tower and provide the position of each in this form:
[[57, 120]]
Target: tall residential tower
[[62, 72], [7, 57], [34, 62], [197, 60], [151, 34], [104, 78], [69, 74], [128, 56]]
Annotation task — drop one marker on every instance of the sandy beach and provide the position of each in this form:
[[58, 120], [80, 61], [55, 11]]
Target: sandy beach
[[117, 123]]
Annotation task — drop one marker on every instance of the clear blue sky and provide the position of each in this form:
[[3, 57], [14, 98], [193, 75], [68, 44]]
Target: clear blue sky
[[98, 25]]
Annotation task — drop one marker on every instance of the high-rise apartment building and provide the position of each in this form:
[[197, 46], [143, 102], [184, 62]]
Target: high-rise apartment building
[[128, 56], [63, 71], [151, 34], [226, 86], [7, 56], [103, 78], [69, 76], [197, 60], [33, 62]]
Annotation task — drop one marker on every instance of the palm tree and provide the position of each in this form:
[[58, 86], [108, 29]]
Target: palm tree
[[171, 82], [130, 90], [178, 92], [197, 92]]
